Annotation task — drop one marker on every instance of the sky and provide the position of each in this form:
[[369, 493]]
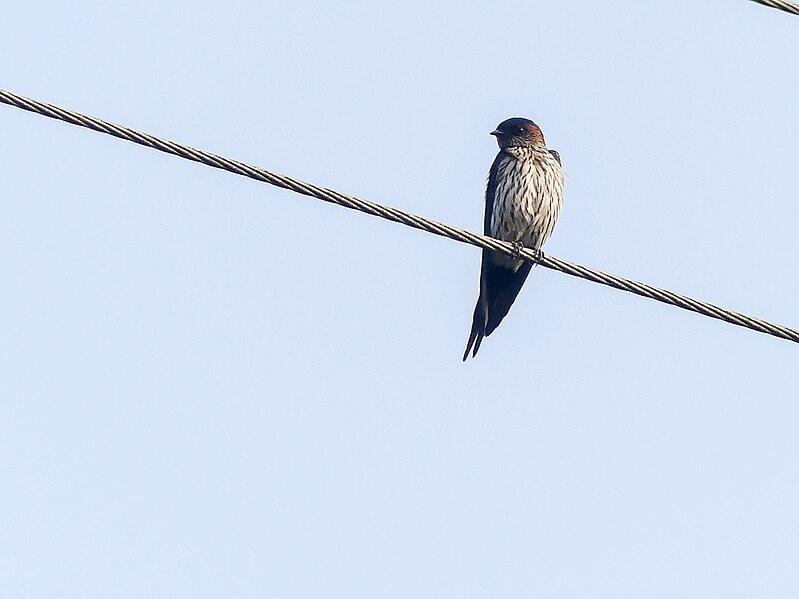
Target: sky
[[216, 388]]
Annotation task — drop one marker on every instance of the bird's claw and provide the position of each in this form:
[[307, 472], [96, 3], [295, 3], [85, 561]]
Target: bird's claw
[[517, 252]]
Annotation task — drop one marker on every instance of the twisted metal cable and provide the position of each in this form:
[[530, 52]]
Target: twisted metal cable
[[399, 216], [790, 7]]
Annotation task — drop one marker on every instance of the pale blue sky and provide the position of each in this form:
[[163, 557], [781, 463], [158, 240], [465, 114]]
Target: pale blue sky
[[216, 388]]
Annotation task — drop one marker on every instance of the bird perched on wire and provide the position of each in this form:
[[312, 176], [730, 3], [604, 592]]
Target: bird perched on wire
[[523, 199]]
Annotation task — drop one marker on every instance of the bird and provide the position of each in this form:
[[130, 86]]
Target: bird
[[522, 203]]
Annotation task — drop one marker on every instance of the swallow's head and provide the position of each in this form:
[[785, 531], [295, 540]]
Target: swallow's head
[[518, 132]]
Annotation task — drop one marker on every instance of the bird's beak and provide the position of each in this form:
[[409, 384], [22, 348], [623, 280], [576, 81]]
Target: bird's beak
[[496, 132]]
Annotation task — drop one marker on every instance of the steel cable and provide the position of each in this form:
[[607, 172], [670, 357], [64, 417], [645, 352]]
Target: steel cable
[[399, 216], [790, 7]]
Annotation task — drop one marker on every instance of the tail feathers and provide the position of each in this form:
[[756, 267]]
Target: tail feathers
[[478, 329], [499, 287], [503, 286]]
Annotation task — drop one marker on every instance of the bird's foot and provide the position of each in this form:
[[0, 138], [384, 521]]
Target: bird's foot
[[517, 249]]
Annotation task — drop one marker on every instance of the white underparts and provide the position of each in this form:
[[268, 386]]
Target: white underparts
[[527, 199]]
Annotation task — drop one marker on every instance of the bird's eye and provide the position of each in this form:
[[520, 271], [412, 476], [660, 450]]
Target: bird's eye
[[521, 130]]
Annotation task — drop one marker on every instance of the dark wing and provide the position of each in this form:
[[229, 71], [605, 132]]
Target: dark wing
[[556, 155], [499, 286], [502, 285], [491, 189], [480, 316]]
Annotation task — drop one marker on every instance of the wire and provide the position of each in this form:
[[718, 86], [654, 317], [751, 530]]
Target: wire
[[790, 7], [399, 216]]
